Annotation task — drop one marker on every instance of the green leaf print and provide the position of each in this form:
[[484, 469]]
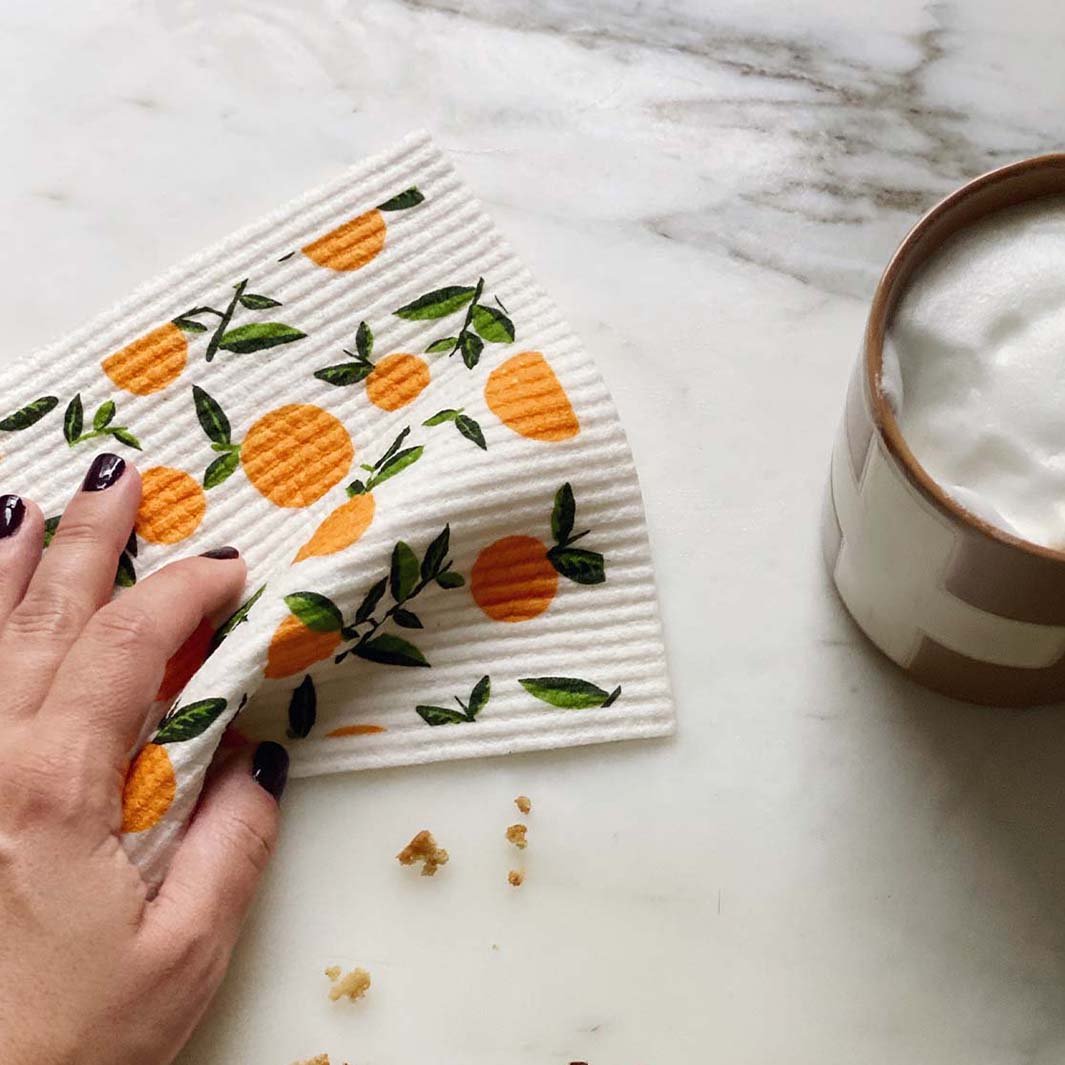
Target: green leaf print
[[344, 373], [437, 304], [258, 336], [442, 416], [315, 611], [370, 601], [450, 580], [211, 417], [493, 326], [480, 695], [302, 710], [403, 575], [50, 526], [188, 722], [364, 341], [391, 651], [443, 344], [471, 347], [563, 515], [254, 302], [436, 553], [238, 617], [221, 469], [104, 416], [73, 421], [28, 415], [440, 715], [406, 619], [125, 575], [400, 461], [407, 198], [124, 436], [568, 693], [578, 565], [189, 325], [471, 430]]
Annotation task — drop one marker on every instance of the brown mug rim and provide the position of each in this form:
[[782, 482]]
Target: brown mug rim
[[908, 257]]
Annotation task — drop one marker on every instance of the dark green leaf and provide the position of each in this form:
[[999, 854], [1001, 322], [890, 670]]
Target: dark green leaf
[[435, 553], [442, 416], [29, 415], [584, 567], [212, 418], [407, 198], [364, 341], [471, 430], [562, 515], [369, 603], [443, 344], [393, 448], [391, 651], [437, 304], [440, 715], [221, 469], [450, 580], [258, 303], [344, 373], [403, 575], [356, 488], [258, 336], [105, 414], [288, 255], [480, 695], [189, 325], [188, 722], [494, 326], [397, 463], [315, 611], [73, 420], [126, 575], [131, 544], [569, 693], [302, 710], [471, 348], [612, 697], [238, 617], [406, 619], [50, 526], [124, 436]]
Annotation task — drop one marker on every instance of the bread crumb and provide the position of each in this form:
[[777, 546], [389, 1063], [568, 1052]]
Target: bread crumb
[[423, 848], [321, 1059], [354, 985], [333, 972], [516, 835], [523, 803], [515, 878]]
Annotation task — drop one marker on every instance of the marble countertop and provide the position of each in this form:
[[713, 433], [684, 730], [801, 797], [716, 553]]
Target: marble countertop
[[827, 864]]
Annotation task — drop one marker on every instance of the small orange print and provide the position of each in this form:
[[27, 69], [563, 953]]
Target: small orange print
[[359, 240], [149, 363], [526, 396], [295, 647], [356, 730], [172, 506], [149, 790], [186, 660], [516, 578]]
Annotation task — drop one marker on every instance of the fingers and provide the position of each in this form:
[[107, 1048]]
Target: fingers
[[219, 863], [21, 536], [73, 579], [110, 676]]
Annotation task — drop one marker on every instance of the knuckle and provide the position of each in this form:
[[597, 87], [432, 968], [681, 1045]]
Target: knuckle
[[33, 792], [126, 627], [79, 532], [53, 611], [253, 841]]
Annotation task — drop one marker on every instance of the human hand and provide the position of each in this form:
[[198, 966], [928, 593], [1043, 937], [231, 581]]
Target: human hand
[[94, 971]]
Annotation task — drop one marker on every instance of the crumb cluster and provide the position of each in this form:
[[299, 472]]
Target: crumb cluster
[[423, 848], [523, 803], [515, 878], [353, 985], [516, 835]]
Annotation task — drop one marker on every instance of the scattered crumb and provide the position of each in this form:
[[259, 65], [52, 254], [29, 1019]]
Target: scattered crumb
[[354, 985], [321, 1059], [515, 878], [516, 835], [333, 972], [423, 849], [523, 803]]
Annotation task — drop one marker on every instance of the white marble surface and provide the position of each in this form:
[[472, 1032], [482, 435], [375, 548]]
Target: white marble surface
[[827, 865]]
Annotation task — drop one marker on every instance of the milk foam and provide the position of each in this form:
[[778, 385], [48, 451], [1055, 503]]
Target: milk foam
[[974, 367]]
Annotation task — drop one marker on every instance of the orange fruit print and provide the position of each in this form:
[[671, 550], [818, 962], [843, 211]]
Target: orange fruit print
[[294, 647], [360, 240], [397, 380], [172, 506], [186, 660], [150, 363], [149, 790], [526, 396], [516, 578], [295, 454]]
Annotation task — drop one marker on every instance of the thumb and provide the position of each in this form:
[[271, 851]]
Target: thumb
[[218, 865]]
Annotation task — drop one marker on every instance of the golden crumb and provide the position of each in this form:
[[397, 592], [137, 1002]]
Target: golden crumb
[[321, 1059], [515, 878], [423, 849], [523, 803], [516, 835], [354, 985], [333, 972]]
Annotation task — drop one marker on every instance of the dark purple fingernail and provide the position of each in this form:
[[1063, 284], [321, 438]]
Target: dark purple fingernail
[[221, 552], [104, 471], [269, 768], [12, 511]]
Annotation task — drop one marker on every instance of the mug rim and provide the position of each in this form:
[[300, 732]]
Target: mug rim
[[908, 257]]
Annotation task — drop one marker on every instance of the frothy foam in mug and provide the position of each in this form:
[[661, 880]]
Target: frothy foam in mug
[[974, 367]]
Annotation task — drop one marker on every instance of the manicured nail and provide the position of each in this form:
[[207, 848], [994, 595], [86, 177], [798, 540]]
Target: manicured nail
[[104, 471], [221, 552], [269, 767], [12, 511]]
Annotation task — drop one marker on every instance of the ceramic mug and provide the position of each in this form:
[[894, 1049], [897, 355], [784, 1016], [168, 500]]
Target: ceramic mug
[[965, 608]]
